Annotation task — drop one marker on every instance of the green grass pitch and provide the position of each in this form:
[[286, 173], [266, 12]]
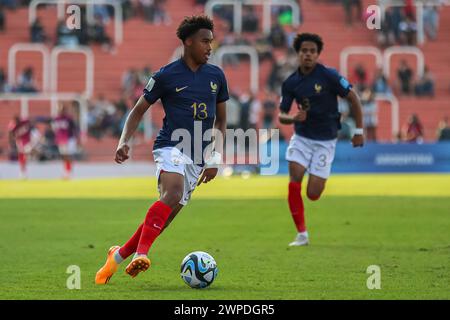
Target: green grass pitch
[[400, 223]]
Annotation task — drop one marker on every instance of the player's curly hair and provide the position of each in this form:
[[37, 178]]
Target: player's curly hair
[[302, 37], [190, 25]]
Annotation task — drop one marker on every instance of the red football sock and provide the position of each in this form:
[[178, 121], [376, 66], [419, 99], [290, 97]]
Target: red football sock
[[296, 205], [154, 222], [68, 166], [130, 247], [22, 162]]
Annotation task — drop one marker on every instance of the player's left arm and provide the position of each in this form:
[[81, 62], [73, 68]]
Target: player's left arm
[[355, 105], [220, 126]]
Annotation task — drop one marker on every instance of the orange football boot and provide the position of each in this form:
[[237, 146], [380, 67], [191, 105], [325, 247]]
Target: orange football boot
[[109, 268], [138, 264]]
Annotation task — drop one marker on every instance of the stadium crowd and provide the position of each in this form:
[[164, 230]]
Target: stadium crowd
[[244, 109]]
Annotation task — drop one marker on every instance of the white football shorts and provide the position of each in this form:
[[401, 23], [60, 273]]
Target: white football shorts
[[69, 148], [314, 155], [170, 159]]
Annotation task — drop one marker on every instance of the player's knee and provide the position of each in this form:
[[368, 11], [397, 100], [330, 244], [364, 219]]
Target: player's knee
[[313, 195], [172, 197]]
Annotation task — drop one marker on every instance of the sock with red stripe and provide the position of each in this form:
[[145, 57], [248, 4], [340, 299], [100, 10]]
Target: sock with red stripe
[[129, 247], [154, 222], [68, 166], [22, 162], [296, 205]]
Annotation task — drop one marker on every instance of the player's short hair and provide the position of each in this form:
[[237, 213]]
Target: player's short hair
[[302, 37], [190, 25]]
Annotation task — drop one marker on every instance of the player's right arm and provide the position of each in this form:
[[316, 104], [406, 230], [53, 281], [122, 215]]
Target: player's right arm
[[285, 105], [153, 91], [131, 124]]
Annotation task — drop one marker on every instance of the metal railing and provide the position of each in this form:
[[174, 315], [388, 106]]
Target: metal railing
[[346, 52], [87, 52], [267, 6], [242, 49], [419, 4], [389, 52], [395, 111], [116, 4], [29, 47], [383, 60]]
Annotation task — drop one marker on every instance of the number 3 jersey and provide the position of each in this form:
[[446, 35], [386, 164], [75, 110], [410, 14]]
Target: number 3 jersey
[[189, 100]]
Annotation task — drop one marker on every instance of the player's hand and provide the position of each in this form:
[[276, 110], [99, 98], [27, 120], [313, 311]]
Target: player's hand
[[122, 153], [358, 140], [300, 116], [208, 175]]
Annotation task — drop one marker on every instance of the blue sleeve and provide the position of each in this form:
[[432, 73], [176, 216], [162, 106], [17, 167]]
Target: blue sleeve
[[287, 98], [154, 88], [223, 95], [339, 84]]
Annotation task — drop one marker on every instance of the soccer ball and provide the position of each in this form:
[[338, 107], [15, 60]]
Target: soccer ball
[[198, 269]]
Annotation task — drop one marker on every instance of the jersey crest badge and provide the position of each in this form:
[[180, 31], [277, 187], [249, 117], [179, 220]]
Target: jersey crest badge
[[318, 88], [213, 87]]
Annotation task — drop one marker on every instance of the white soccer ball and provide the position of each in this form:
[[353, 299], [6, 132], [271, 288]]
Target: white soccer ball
[[198, 269]]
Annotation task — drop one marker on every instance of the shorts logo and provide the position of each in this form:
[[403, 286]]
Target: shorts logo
[[213, 87], [318, 88]]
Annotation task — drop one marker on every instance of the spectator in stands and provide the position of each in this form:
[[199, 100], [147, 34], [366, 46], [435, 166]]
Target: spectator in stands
[[2, 81], [380, 84], [128, 81], [431, 21], [370, 114], [408, 31], [66, 36], [255, 111], [408, 9], [347, 121], [277, 37], [101, 11], [100, 116], [360, 76], [404, 74], [414, 130], [97, 34], [118, 118], [348, 8], [245, 100], [269, 110], [26, 82], [145, 74], [250, 21], [264, 49], [160, 14], [2, 18], [443, 132], [425, 85], [387, 33], [37, 32], [233, 111], [10, 4]]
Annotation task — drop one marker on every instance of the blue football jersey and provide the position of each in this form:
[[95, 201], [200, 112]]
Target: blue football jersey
[[187, 97], [317, 92]]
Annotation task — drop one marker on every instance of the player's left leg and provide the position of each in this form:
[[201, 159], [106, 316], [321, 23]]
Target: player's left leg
[[67, 160], [316, 186]]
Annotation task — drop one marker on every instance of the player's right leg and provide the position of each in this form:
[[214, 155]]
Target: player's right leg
[[171, 187], [299, 155], [296, 206]]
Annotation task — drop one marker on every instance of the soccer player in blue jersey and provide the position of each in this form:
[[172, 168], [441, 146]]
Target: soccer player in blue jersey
[[315, 89], [193, 94]]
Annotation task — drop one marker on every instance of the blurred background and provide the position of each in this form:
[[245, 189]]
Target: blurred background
[[99, 69]]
